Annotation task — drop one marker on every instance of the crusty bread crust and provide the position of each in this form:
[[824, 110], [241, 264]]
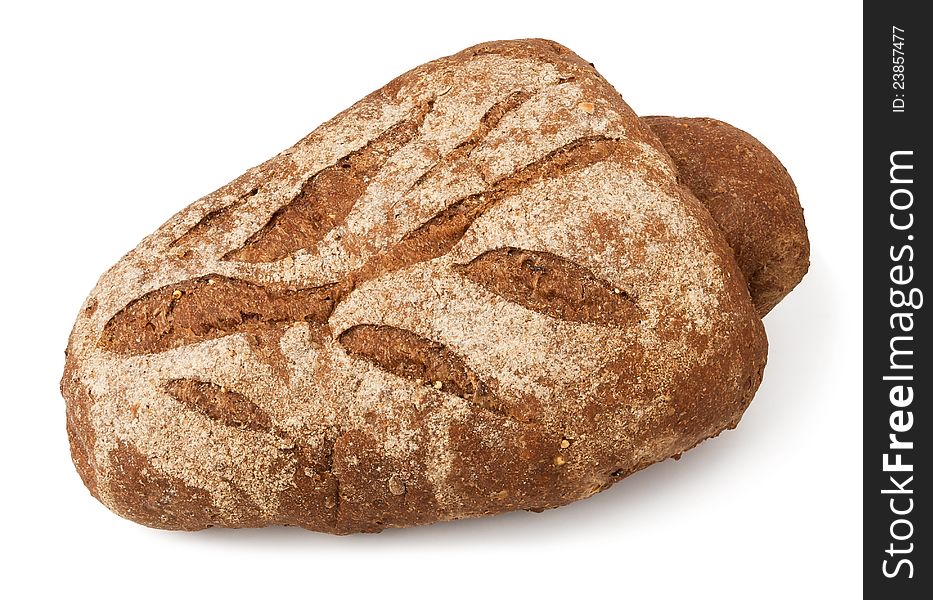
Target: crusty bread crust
[[479, 289]]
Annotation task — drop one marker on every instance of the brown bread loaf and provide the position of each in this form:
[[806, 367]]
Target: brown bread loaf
[[479, 289], [750, 194]]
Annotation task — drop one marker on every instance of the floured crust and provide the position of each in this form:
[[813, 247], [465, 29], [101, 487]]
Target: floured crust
[[480, 288]]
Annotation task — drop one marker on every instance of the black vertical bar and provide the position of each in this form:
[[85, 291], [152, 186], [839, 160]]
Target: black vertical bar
[[897, 367]]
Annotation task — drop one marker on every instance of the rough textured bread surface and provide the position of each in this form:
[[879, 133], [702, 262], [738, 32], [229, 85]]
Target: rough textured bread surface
[[750, 194], [481, 288]]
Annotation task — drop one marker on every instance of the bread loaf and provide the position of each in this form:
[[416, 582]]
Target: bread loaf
[[750, 194], [479, 289]]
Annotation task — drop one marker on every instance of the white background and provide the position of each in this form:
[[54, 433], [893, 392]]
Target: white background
[[116, 116]]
